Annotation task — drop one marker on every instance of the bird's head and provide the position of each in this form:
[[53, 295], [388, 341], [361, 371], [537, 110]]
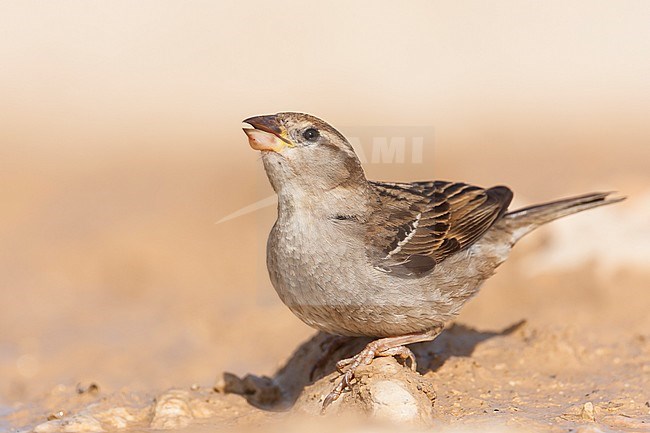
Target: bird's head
[[303, 154]]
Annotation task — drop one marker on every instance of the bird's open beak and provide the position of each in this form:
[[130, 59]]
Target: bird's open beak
[[268, 134]]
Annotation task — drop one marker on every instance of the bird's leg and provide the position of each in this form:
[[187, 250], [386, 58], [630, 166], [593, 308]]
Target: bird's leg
[[391, 346], [401, 351]]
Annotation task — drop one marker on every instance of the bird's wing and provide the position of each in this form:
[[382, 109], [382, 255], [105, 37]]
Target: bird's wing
[[420, 224]]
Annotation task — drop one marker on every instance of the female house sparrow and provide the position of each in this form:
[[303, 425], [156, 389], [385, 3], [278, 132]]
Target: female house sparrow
[[394, 261]]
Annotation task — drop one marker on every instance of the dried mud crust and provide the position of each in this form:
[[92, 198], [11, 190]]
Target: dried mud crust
[[520, 377]]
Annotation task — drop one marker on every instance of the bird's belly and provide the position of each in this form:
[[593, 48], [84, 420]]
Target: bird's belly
[[331, 285]]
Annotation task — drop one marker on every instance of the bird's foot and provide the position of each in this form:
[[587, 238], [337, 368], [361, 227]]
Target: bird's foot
[[402, 352], [390, 346], [348, 366]]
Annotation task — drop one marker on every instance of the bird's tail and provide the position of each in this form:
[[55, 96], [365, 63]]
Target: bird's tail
[[522, 221]]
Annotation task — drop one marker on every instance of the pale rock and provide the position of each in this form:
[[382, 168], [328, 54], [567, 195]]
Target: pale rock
[[172, 411], [383, 390], [391, 402], [117, 418], [587, 412], [74, 424]]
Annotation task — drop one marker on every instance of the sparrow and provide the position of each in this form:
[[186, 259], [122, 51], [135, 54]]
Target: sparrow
[[391, 261]]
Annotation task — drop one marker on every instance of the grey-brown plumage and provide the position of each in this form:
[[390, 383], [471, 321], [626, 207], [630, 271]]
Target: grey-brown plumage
[[394, 261]]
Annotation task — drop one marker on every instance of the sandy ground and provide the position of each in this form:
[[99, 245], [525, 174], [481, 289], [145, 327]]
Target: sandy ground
[[118, 286], [125, 306]]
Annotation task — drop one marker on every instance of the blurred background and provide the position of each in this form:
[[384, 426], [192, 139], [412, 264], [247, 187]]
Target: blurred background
[[121, 149]]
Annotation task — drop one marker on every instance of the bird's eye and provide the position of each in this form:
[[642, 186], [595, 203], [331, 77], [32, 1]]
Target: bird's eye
[[311, 134]]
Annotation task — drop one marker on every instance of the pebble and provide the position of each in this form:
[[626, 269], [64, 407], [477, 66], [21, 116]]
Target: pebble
[[587, 412], [172, 411], [117, 418], [391, 402], [73, 424]]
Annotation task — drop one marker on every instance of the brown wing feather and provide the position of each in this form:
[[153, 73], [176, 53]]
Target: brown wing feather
[[420, 224]]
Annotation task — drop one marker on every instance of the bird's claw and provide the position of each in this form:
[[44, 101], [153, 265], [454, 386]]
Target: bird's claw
[[347, 367], [402, 352], [343, 383]]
